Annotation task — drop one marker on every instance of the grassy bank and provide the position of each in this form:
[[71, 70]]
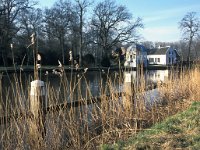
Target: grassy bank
[[116, 117], [181, 131]]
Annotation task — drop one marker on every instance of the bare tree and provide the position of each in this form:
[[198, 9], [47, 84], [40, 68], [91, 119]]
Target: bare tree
[[2, 21], [190, 26], [57, 21], [30, 22], [113, 24], [197, 47], [148, 44], [10, 12], [81, 6]]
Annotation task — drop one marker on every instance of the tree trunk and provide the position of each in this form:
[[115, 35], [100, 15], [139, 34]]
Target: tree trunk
[[189, 49], [81, 37], [4, 57], [63, 53], [61, 39], [4, 53]]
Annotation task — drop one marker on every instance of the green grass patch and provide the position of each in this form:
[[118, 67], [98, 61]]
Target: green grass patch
[[176, 132]]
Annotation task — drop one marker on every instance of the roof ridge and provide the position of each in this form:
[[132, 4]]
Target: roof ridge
[[158, 51]]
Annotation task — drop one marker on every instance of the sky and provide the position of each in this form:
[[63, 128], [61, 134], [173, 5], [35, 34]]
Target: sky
[[160, 17]]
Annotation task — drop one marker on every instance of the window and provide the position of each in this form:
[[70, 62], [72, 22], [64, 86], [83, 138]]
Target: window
[[157, 60], [151, 59], [131, 58]]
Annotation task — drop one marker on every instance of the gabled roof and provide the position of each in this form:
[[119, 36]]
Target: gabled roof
[[158, 51], [177, 54], [141, 48], [137, 47]]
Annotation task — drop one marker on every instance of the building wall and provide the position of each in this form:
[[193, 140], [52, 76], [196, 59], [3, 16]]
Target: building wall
[[130, 59], [155, 59], [142, 58], [167, 59], [171, 56]]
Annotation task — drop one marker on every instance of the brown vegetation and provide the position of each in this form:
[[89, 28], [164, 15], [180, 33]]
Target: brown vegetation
[[115, 117]]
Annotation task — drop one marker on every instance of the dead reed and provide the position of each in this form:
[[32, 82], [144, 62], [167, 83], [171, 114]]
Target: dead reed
[[114, 116]]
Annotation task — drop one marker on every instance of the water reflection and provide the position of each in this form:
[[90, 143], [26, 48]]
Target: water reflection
[[136, 85], [93, 83], [158, 75], [150, 76], [73, 87]]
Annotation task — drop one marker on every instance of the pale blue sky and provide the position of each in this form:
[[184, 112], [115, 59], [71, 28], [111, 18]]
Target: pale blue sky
[[160, 17]]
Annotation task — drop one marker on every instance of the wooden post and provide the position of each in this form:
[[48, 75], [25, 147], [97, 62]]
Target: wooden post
[[38, 104], [128, 90], [128, 84]]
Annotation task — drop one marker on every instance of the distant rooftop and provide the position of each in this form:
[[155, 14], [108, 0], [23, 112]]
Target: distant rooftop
[[138, 47], [158, 51]]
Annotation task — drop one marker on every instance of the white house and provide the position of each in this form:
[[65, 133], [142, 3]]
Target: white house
[[136, 55], [162, 56]]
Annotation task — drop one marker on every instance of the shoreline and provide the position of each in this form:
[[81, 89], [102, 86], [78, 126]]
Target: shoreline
[[68, 68]]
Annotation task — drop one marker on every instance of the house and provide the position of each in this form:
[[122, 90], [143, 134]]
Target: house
[[136, 55], [163, 56]]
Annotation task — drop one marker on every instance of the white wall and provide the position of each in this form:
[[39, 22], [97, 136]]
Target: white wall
[[162, 59], [130, 62], [135, 59]]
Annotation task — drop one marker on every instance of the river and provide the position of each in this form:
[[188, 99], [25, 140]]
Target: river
[[15, 88]]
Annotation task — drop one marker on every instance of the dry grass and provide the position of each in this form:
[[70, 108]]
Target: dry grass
[[180, 131], [87, 126]]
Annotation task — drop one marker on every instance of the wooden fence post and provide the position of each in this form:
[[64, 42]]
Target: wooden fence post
[[38, 104], [128, 93], [128, 84]]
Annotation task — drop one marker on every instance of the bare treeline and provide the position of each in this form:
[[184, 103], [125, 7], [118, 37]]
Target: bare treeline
[[80, 26]]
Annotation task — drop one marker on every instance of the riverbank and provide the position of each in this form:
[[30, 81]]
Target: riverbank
[[51, 68], [114, 118], [68, 68], [181, 131]]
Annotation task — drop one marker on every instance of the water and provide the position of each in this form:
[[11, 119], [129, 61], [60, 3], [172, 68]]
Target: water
[[15, 88], [73, 87]]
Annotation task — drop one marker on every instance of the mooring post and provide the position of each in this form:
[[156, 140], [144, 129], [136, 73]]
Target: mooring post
[[38, 104], [128, 84], [128, 90]]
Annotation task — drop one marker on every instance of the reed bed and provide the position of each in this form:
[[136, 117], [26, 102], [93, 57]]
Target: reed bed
[[114, 116]]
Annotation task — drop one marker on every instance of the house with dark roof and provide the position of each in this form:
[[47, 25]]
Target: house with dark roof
[[136, 55], [163, 56]]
